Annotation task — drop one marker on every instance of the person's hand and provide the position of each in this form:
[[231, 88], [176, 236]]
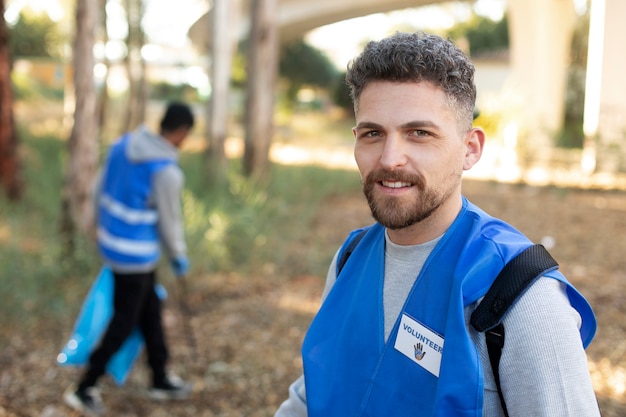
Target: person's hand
[[180, 266]]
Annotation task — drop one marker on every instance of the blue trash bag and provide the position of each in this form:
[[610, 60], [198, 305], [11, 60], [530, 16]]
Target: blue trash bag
[[92, 322]]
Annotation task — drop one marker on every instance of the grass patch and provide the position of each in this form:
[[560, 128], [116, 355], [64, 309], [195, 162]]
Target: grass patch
[[253, 227]]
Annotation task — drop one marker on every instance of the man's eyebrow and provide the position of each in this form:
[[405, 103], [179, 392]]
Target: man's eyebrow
[[368, 125], [415, 124], [420, 124]]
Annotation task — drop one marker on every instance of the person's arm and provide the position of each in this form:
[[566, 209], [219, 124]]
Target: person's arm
[[295, 405], [168, 185], [543, 369]]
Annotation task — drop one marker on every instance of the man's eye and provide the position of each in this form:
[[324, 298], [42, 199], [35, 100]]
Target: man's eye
[[371, 134], [419, 133]]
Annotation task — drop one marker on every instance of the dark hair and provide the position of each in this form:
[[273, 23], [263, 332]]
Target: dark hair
[[416, 57], [177, 115]]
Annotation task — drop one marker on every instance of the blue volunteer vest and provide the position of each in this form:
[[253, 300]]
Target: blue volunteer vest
[[429, 365], [127, 226]]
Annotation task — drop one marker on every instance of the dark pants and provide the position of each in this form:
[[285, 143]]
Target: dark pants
[[135, 304]]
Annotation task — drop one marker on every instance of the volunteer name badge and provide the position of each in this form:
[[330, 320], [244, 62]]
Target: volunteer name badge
[[420, 344]]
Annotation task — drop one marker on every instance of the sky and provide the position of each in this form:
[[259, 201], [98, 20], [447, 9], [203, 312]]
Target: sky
[[167, 24]]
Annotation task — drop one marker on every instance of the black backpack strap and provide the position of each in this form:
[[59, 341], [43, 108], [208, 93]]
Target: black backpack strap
[[514, 279], [349, 248], [495, 343], [511, 282]]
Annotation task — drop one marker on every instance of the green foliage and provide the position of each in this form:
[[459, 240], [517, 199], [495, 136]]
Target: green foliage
[[341, 93], [239, 72], [301, 64], [252, 226], [483, 34], [29, 88], [171, 92], [580, 41], [34, 35], [34, 278], [572, 135], [490, 123]]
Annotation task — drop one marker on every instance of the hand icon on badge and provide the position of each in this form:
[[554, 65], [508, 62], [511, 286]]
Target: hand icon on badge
[[419, 352]]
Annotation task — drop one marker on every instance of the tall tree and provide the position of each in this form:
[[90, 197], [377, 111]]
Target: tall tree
[[135, 65], [262, 69], [77, 208], [9, 163], [103, 97], [222, 42]]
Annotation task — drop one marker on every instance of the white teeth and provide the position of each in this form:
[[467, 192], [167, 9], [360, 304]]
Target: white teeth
[[396, 184]]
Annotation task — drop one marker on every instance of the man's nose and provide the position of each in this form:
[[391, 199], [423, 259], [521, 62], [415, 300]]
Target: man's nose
[[394, 152]]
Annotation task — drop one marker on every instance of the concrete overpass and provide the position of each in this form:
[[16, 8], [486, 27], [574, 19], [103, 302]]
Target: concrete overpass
[[540, 36], [296, 17]]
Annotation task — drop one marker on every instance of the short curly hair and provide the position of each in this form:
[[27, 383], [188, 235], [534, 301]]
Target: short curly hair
[[416, 57]]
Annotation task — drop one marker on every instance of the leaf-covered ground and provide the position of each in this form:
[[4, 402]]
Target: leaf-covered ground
[[248, 329]]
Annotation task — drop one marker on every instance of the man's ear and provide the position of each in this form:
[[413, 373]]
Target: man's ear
[[474, 142]]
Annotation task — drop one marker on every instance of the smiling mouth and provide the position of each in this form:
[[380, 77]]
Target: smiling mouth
[[396, 184]]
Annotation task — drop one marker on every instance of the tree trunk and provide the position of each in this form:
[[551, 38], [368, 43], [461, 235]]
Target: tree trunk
[[103, 97], [77, 208], [135, 66], [221, 51], [9, 163], [262, 68]]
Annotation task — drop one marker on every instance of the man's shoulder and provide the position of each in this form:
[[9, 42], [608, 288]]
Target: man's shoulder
[[170, 174], [495, 231], [145, 146]]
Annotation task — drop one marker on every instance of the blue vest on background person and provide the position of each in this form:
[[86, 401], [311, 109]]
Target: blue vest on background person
[[127, 226], [349, 369]]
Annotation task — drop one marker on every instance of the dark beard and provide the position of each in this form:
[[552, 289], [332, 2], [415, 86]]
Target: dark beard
[[398, 213]]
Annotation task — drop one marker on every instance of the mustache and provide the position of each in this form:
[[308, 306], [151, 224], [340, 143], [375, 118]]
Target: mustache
[[380, 175]]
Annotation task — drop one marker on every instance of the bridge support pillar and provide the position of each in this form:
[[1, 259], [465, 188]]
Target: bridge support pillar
[[540, 37], [605, 99]]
